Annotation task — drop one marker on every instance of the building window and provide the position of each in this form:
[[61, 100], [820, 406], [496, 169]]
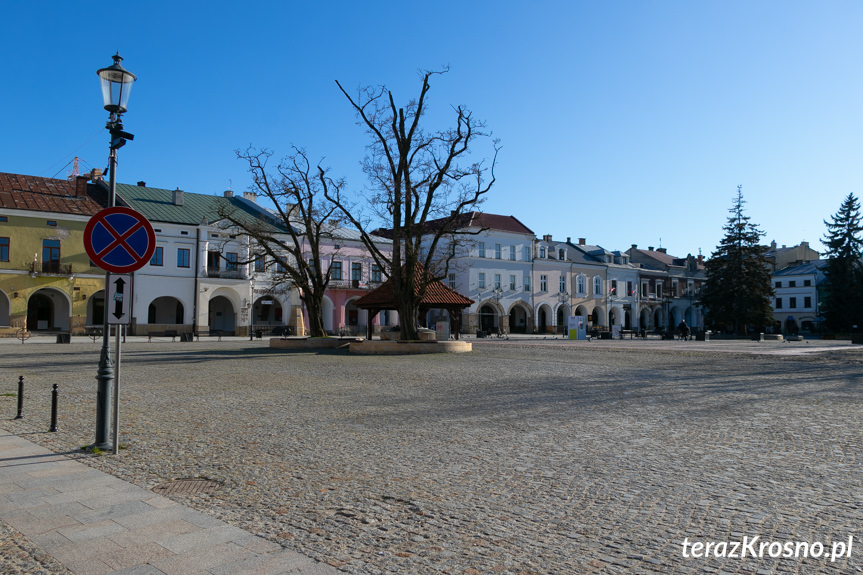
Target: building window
[[213, 259], [312, 266], [512, 283], [356, 271], [580, 285], [543, 283], [807, 283], [613, 290], [597, 286], [51, 256], [779, 303], [184, 232], [376, 273], [182, 257], [562, 283], [526, 283], [260, 264], [629, 290], [4, 219], [52, 223], [282, 265], [779, 284], [482, 249], [481, 280], [158, 255], [792, 283], [512, 253], [807, 302], [4, 249], [526, 254], [792, 303], [496, 281], [231, 264], [497, 251], [644, 289], [450, 280], [336, 271], [542, 252]]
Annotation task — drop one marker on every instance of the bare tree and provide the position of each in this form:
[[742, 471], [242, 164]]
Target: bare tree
[[416, 177], [302, 219]]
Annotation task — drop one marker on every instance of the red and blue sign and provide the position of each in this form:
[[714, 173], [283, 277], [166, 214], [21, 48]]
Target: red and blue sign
[[119, 240]]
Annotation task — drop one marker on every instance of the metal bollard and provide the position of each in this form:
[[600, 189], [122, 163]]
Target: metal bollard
[[54, 409], [20, 397]]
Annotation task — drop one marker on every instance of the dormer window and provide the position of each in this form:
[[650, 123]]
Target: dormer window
[[542, 252], [561, 254]]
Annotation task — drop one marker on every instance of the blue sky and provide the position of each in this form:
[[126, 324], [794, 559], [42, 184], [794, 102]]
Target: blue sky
[[623, 122]]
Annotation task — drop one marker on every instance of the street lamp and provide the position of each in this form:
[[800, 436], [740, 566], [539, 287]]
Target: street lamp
[[116, 87]]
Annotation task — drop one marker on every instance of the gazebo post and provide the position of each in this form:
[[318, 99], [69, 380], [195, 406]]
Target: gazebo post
[[370, 328]]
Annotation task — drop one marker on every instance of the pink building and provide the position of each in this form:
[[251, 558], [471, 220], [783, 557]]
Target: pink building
[[354, 273]]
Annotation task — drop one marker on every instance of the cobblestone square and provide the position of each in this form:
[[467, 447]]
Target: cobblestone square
[[522, 457]]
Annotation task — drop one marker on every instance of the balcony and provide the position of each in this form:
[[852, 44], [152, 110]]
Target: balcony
[[50, 269], [353, 284], [225, 274]]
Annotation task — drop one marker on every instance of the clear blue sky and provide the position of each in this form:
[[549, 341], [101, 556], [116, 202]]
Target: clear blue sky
[[622, 122]]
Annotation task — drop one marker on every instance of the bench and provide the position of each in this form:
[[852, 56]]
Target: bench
[[205, 332], [93, 332], [172, 333]]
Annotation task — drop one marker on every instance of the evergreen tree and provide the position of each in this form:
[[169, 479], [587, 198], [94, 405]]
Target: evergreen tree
[[843, 298], [738, 291]]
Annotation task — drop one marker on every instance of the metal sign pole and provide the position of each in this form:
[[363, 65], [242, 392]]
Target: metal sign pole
[[116, 423]]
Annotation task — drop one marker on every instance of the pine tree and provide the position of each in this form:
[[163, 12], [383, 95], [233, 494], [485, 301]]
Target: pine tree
[[843, 298], [738, 291]]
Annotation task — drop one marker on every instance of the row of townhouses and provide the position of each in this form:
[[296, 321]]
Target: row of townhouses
[[202, 276]]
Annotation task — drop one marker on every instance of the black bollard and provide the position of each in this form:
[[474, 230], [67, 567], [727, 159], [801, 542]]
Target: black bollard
[[54, 409], [20, 397]]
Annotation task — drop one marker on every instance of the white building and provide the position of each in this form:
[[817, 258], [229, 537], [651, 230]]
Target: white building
[[795, 303]]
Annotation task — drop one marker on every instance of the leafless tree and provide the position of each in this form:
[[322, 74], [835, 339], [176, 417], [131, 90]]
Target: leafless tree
[[302, 218], [421, 185]]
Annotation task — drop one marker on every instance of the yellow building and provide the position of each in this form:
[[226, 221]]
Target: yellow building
[[47, 282]]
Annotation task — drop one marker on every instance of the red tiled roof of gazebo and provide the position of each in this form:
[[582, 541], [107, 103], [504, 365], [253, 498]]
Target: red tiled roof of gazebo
[[437, 295]]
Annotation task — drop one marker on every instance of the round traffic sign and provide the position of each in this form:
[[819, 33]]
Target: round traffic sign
[[119, 240]]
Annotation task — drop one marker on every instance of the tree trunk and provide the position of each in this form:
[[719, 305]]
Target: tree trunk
[[408, 312], [316, 324]]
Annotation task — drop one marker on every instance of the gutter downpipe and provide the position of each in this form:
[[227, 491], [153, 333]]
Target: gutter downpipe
[[195, 295]]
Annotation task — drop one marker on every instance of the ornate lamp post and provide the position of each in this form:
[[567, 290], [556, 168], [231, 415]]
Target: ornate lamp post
[[116, 86]]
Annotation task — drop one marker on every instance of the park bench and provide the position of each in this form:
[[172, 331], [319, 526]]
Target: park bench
[[172, 333], [206, 332]]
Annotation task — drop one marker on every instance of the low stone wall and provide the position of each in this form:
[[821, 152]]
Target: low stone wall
[[377, 347], [311, 342]]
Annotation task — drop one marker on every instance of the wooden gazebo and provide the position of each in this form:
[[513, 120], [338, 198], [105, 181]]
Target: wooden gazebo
[[437, 296]]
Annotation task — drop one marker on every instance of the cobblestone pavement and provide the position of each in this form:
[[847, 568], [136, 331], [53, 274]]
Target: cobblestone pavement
[[520, 457]]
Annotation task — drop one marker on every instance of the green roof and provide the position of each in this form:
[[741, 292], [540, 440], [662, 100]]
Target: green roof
[[157, 205]]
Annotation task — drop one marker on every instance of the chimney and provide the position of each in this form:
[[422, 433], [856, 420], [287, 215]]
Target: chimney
[[251, 196], [546, 238], [568, 240], [635, 246], [773, 245], [662, 250], [804, 245], [229, 193], [650, 248], [95, 174], [142, 184], [700, 259], [582, 241], [177, 197], [81, 186]]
